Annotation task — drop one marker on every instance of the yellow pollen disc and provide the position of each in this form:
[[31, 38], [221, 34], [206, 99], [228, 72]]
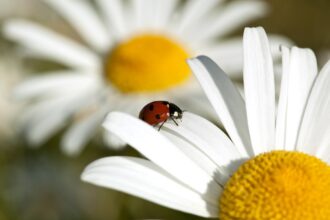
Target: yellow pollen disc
[[147, 63], [279, 185]]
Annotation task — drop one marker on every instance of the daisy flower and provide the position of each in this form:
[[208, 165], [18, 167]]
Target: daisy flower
[[135, 52], [268, 167], [10, 74]]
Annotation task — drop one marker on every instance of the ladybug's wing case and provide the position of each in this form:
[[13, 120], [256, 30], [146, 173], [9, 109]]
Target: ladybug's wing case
[[153, 119], [155, 113], [141, 114]]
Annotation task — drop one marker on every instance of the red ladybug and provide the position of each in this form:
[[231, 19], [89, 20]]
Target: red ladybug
[[158, 112]]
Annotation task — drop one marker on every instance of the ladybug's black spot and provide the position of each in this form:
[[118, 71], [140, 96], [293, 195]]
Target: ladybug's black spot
[[158, 116], [164, 102], [151, 107], [142, 118]]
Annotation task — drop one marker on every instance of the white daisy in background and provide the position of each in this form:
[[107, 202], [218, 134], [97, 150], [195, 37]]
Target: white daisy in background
[[268, 167], [10, 74], [134, 53]]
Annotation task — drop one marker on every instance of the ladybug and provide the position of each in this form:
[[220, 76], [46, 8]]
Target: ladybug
[[158, 112]]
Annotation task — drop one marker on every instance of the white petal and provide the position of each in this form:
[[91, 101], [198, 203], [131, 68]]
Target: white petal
[[223, 52], [283, 101], [153, 14], [44, 119], [161, 151], [201, 159], [233, 15], [115, 15], [145, 180], [225, 99], [316, 120], [259, 89], [51, 45], [82, 131], [199, 105], [168, 11], [193, 11], [208, 138], [52, 82], [42, 108], [147, 13], [162, 11], [302, 71], [323, 150], [142, 10], [45, 127], [277, 41], [85, 20], [59, 100], [112, 141]]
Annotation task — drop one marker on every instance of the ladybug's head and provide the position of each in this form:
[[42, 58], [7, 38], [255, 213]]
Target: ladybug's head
[[175, 111]]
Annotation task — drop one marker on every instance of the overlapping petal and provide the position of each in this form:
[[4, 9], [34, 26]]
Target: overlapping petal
[[129, 175]]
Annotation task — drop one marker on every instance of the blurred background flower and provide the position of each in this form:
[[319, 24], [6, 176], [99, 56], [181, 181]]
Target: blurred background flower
[[303, 21], [11, 72], [127, 53]]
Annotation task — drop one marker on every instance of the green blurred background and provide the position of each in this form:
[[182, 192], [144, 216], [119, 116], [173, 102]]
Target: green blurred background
[[45, 184]]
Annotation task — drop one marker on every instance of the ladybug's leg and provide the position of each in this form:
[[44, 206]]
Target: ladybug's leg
[[162, 125], [174, 121]]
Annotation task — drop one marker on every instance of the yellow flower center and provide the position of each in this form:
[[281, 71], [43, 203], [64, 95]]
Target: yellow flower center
[[147, 63], [278, 185]]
